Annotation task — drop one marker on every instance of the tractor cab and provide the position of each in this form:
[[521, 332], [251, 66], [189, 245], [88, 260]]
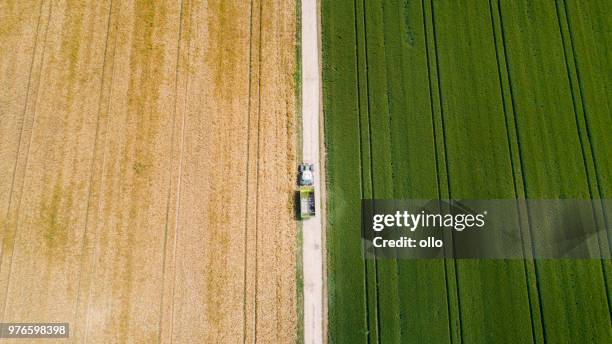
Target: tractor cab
[[306, 174]]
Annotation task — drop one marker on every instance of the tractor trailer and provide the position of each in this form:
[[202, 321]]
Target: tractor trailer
[[306, 190]]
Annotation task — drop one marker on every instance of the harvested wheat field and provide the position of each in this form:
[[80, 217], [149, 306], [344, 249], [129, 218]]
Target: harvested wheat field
[[147, 151]]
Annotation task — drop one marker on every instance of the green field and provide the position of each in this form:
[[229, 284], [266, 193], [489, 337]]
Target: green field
[[465, 100]]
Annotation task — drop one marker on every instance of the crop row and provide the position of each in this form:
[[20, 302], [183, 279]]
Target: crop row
[[451, 99]]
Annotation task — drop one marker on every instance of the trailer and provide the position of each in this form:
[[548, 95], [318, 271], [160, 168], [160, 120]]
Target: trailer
[[307, 202]]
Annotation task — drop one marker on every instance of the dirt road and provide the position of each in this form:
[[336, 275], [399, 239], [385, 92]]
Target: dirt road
[[147, 154], [313, 242]]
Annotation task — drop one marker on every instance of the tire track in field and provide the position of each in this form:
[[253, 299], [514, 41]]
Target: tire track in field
[[166, 332], [532, 284], [375, 312], [577, 86], [435, 104], [376, 162], [250, 220], [88, 264], [586, 145], [174, 182], [522, 191], [9, 223], [254, 139], [365, 193], [102, 102], [583, 81], [13, 74], [387, 270], [450, 265], [414, 169], [396, 302], [540, 336], [435, 108]]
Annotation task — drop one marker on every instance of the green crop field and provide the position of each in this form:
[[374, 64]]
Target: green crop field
[[480, 99]]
